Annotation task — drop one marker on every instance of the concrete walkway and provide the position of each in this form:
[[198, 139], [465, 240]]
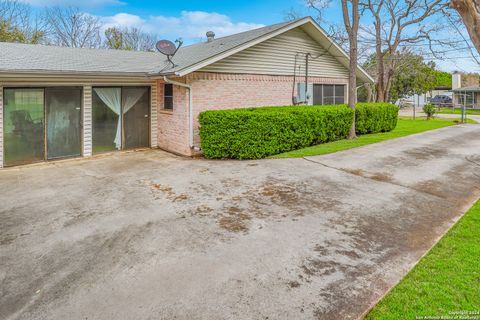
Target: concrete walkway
[[147, 235]]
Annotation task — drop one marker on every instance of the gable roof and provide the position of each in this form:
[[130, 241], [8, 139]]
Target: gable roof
[[25, 58], [204, 51], [194, 57]]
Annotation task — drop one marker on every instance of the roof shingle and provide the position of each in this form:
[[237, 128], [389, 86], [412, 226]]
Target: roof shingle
[[16, 57]]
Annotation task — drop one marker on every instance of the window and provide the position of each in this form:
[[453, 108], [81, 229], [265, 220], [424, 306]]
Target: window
[[328, 94], [339, 94], [168, 96], [41, 124], [24, 126], [120, 117]]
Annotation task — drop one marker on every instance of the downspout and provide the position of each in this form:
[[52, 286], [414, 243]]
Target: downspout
[[190, 109], [356, 92]]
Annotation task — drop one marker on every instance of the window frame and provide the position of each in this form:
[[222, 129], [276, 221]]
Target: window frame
[[165, 97], [334, 96]]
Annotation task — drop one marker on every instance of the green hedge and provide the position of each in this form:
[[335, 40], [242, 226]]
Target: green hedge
[[375, 117], [256, 133]]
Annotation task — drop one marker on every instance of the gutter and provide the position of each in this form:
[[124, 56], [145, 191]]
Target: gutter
[[42, 72], [190, 109]]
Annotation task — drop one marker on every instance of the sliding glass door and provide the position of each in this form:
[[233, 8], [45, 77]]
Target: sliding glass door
[[41, 124], [121, 118], [136, 117], [63, 108], [23, 127], [106, 118]]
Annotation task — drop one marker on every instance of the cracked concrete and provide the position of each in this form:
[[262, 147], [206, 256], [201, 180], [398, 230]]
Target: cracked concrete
[[148, 235]]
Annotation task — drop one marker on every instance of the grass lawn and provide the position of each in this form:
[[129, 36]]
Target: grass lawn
[[446, 280], [459, 111], [405, 127]]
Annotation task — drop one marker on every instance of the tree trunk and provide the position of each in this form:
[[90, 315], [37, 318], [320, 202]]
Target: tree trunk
[[352, 30], [380, 85], [469, 10], [388, 82], [352, 86], [380, 88]]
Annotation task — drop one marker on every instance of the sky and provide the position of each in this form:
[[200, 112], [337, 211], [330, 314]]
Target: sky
[[191, 19]]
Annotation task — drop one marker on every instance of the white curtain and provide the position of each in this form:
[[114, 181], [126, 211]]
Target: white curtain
[[131, 97], [112, 98]]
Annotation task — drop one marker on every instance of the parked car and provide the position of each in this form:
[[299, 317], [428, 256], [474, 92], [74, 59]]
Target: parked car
[[441, 100], [405, 102]]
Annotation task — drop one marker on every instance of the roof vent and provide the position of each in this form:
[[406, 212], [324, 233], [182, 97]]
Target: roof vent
[[210, 36]]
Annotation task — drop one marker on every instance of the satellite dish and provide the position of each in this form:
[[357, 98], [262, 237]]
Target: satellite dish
[[166, 47], [169, 48]]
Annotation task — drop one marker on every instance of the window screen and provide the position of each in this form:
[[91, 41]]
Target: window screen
[[168, 96], [339, 94], [324, 94], [328, 94]]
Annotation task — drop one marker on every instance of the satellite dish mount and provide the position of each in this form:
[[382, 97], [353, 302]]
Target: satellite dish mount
[[169, 48]]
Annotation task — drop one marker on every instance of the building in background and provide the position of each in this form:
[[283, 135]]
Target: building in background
[[465, 95]]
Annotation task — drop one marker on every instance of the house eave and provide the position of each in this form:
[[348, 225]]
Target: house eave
[[66, 73]]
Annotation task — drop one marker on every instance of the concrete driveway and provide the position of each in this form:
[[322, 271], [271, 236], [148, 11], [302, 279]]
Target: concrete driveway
[[147, 235]]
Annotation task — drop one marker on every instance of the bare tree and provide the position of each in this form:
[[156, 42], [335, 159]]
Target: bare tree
[[136, 39], [396, 24], [292, 14], [456, 23], [335, 30], [351, 19], [70, 27], [129, 39], [469, 11]]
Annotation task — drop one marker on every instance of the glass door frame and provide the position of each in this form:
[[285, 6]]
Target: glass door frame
[[45, 119], [149, 92]]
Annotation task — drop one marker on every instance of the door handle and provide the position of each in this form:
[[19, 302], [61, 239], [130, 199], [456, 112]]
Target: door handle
[[146, 116]]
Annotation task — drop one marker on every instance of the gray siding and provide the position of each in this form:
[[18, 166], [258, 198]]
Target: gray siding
[[87, 121], [276, 56], [153, 116], [1, 127]]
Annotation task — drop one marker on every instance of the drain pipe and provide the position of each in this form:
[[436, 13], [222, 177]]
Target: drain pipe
[[190, 108]]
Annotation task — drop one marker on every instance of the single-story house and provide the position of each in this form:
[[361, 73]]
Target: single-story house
[[58, 102], [467, 96]]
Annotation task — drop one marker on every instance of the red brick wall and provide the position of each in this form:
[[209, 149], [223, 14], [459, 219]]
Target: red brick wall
[[221, 91], [173, 124]]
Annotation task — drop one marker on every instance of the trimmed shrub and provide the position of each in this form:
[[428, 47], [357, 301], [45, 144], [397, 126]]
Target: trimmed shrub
[[429, 110], [260, 132], [375, 117], [256, 133]]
